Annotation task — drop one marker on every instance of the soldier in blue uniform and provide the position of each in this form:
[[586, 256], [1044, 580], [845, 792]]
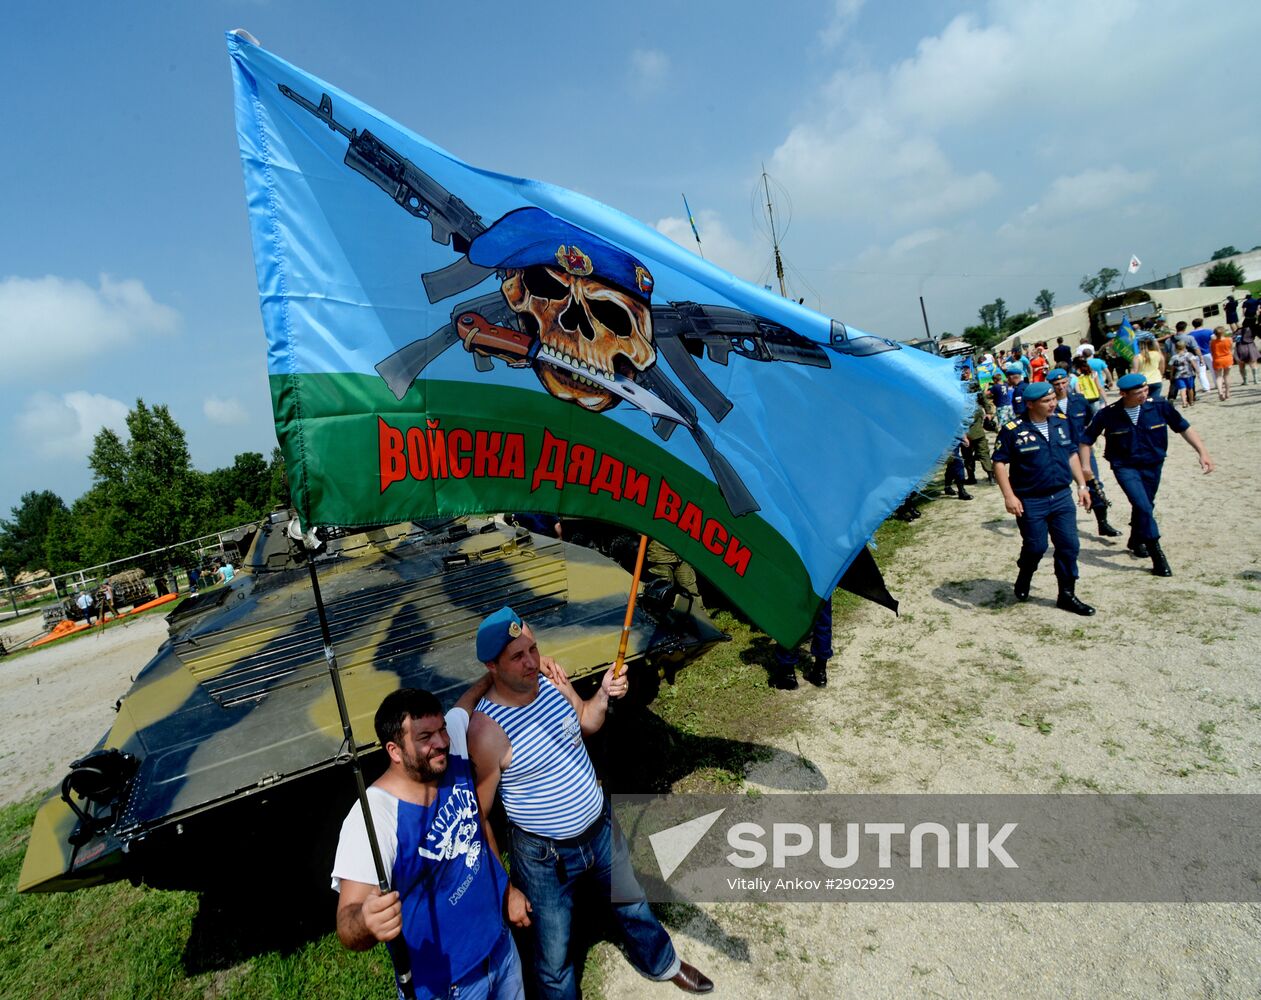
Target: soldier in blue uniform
[[1034, 462], [1136, 432], [1076, 407]]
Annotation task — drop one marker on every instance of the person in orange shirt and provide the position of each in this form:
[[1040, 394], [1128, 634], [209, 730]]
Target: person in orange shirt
[[1222, 349], [1039, 363]]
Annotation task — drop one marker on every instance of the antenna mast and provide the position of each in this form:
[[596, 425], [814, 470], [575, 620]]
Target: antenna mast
[[770, 214]]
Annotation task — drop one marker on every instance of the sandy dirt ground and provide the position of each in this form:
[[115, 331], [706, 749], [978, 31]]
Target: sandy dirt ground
[[966, 692], [58, 702], [970, 692]]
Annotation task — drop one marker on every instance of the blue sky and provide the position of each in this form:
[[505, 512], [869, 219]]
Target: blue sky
[[956, 151]]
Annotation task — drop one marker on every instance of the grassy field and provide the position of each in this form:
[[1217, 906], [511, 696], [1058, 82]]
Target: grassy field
[[120, 941]]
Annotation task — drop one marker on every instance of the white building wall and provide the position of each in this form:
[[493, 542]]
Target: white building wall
[[1249, 263]]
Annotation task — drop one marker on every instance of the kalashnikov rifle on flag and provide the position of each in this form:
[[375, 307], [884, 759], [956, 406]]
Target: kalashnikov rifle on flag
[[586, 340]]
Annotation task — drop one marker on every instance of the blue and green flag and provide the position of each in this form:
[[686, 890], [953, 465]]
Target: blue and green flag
[[446, 340], [1125, 340]]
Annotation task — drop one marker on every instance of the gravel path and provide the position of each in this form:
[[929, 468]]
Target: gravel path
[[57, 702], [1159, 692]]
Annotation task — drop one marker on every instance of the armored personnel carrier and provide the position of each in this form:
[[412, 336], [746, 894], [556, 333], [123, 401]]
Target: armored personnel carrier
[[224, 761]]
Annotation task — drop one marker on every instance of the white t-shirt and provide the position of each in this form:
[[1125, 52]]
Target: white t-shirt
[[354, 856]]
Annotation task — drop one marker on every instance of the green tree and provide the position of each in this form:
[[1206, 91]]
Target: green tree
[[89, 533], [982, 337], [278, 494], [1045, 300], [233, 495], [1019, 321], [1224, 272], [1000, 313], [145, 489], [22, 538], [1223, 252], [1098, 286]]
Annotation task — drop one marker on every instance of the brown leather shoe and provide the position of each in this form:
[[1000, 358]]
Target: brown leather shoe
[[691, 980]]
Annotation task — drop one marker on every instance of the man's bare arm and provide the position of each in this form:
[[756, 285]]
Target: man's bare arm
[[474, 693], [1193, 439], [365, 916], [593, 711], [490, 752]]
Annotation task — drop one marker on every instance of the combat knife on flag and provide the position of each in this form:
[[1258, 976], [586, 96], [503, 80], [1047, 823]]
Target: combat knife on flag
[[446, 340]]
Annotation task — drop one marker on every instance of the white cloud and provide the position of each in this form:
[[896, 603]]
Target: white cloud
[[54, 322], [720, 246], [1007, 152], [916, 240], [872, 169], [64, 426], [844, 13], [1092, 190], [224, 411], [649, 70]]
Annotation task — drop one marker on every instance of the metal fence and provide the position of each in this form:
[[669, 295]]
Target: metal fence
[[171, 563]]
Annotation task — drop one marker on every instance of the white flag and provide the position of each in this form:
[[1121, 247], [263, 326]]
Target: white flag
[[1135, 264]]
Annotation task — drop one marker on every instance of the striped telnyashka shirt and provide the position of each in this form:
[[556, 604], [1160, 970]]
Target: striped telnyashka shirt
[[549, 787]]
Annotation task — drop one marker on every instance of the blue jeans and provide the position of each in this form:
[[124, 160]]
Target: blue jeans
[[497, 978], [1140, 486], [550, 872], [1058, 515]]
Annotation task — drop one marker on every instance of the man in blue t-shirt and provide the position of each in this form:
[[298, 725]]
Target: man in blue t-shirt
[[447, 889], [1204, 344]]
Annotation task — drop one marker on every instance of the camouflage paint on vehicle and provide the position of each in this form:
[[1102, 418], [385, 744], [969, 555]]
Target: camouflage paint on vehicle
[[235, 715]]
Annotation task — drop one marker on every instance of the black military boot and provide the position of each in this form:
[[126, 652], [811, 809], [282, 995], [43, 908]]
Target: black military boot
[[1024, 580], [1099, 506], [1068, 601], [1160, 565], [1101, 519], [1139, 548], [818, 673], [784, 676], [964, 494]]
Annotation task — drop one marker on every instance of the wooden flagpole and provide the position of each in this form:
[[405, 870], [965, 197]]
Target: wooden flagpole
[[620, 663]]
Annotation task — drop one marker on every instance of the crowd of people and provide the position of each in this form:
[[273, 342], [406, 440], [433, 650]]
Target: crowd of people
[[1050, 409]]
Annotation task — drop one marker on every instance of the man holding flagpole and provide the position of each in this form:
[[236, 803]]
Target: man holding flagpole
[[526, 741], [447, 895]]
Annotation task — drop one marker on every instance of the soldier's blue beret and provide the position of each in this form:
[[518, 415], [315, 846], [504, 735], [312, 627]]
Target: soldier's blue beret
[[496, 631], [531, 236], [1036, 390], [1055, 373], [1014, 370], [1134, 380]]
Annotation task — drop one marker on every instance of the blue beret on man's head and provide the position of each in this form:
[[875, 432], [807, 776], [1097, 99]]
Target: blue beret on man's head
[[496, 631], [1134, 380], [1036, 390], [1055, 373], [1014, 370]]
